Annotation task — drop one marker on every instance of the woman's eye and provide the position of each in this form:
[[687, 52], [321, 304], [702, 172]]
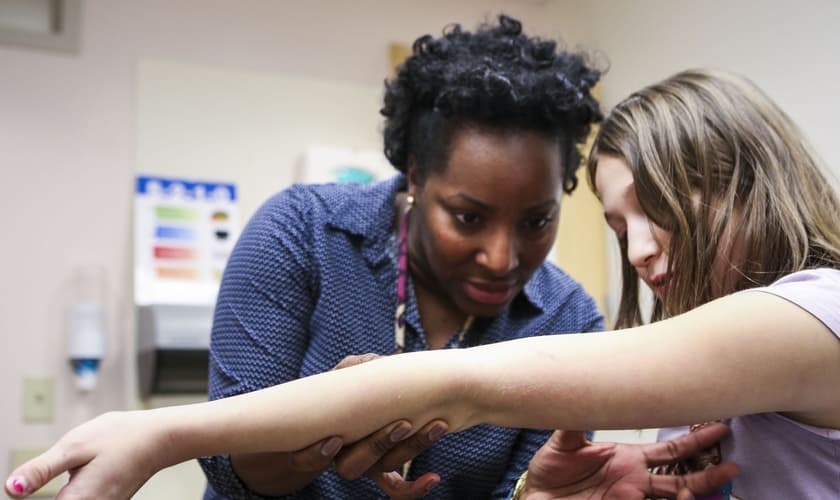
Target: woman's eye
[[539, 223], [468, 218]]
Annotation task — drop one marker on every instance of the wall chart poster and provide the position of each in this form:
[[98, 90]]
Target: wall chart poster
[[184, 231]]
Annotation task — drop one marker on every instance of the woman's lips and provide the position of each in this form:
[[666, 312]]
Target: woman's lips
[[487, 293]]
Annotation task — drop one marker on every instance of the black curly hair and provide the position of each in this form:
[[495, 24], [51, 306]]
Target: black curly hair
[[496, 78]]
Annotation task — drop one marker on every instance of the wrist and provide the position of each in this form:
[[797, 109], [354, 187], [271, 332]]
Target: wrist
[[170, 433]]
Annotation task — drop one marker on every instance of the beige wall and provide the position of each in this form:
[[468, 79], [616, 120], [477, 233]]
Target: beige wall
[[70, 133]]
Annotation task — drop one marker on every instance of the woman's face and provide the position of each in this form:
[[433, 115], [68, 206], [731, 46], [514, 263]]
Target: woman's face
[[482, 226], [647, 244]]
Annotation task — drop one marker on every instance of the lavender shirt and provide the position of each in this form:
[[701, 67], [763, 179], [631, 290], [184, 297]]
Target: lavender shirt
[[779, 457]]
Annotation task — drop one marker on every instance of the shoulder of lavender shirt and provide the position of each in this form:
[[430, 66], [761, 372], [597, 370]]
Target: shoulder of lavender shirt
[[814, 290]]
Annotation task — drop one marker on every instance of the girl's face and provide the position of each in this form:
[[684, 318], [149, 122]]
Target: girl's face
[[645, 243], [485, 223]]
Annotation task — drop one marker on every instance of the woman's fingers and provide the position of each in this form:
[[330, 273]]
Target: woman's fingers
[[411, 446], [706, 481], [360, 456], [691, 444], [355, 359], [397, 488]]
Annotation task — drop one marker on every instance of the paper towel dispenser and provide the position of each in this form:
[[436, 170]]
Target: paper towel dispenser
[[173, 346]]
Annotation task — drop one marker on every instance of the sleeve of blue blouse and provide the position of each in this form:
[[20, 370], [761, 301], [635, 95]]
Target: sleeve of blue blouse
[[260, 330], [578, 313]]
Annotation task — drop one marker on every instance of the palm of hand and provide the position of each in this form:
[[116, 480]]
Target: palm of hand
[[598, 471], [569, 467]]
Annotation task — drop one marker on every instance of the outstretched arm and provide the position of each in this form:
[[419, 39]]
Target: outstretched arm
[[766, 353]]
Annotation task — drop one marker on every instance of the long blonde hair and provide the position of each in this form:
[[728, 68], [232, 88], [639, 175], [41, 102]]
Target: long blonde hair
[[709, 150]]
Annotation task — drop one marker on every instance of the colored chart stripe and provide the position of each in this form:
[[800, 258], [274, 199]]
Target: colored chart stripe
[[174, 253], [174, 233], [169, 212], [220, 216], [184, 273]]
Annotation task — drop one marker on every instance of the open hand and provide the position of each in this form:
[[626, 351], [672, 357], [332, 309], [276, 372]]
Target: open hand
[[570, 467], [94, 454]]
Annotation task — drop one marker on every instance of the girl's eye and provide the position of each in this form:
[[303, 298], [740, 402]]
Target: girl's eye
[[468, 218], [622, 237]]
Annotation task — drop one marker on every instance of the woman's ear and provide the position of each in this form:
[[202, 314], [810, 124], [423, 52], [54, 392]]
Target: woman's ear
[[411, 175]]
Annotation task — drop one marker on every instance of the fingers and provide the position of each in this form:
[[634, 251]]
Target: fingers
[[355, 359], [37, 472], [685, 446], [358, 458], [567, 440], [707, 481], [685, 494], [412, 446], [317, 457], [398, 488]]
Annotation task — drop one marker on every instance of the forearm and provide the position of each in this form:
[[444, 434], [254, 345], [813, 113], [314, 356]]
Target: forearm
[[350, 403], [748, 353], [669, 373]]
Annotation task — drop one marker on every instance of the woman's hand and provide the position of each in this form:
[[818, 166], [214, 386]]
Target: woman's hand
[[568, 466], [375, 456], [108, 458], [382, 453]]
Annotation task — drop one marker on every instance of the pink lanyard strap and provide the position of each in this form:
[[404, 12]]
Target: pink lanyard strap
[[402, 282], [402, 288]]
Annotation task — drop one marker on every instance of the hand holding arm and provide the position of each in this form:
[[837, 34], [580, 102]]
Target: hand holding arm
[[376, 455], [380, 454]]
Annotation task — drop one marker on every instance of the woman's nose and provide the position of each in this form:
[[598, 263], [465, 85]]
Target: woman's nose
[[499, 253]]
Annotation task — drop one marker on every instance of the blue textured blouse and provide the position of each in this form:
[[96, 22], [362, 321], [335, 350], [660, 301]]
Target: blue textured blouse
[[312, 280]]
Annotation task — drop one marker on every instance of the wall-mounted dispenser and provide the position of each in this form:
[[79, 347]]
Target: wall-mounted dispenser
[[86, 343], [173, 347]]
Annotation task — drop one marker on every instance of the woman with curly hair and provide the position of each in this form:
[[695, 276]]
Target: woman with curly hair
[[483, 128]]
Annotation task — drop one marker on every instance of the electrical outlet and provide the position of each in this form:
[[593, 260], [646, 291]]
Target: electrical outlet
[[49, 490], [38, 396]]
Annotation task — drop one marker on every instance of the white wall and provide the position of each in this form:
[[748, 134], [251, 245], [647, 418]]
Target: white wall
[[787, 48]]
